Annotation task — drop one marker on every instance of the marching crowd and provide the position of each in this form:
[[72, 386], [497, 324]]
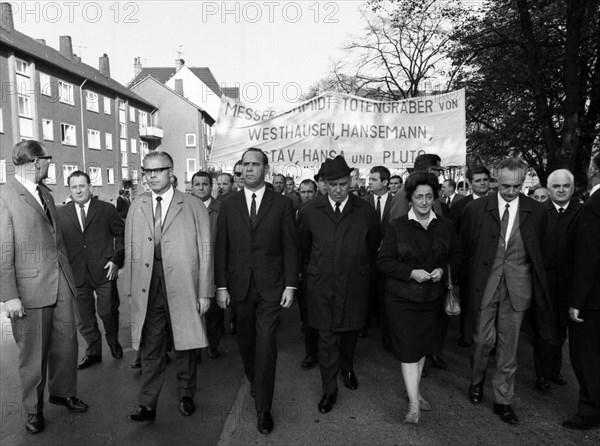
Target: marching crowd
[[183, 259]]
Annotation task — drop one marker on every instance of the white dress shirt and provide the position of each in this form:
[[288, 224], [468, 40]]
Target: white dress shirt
[[86, 207], [260, 193], [31, 188], [513, 208], [167, 197], [383, 200], [333, 203]]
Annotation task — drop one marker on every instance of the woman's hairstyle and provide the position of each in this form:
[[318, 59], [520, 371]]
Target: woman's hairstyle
[[421, 178]]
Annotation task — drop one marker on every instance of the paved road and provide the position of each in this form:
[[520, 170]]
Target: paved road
[[372, 414]]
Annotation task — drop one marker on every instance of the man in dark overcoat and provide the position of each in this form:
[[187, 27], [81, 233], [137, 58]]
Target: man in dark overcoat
[[339, 236]]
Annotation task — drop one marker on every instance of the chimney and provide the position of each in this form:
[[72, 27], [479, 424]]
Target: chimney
[[179, 86], [104, 65], [66, 48], [6, 17], [137, 66], [42, 41], [179, 63], [76, 58]]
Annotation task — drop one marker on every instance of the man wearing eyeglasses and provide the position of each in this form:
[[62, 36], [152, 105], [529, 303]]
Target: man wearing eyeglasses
[[168, 276], [38, 287]]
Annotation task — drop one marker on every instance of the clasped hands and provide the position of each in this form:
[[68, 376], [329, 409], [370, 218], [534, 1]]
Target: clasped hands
[[420, 275]]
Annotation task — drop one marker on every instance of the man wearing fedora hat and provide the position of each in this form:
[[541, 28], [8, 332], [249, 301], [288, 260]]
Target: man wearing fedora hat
[[339, 237]]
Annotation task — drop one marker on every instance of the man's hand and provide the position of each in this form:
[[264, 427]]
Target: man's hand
[[420, 275], [203, 305], [223, 298], [287, 297], [436, 274], [14, 308], [574, 314], [113, 270]]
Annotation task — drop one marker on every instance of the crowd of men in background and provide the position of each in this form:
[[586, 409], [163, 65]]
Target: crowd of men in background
[[237, 242]]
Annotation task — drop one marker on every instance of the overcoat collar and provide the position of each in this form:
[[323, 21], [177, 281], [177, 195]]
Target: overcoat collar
[[174, 209], [325, 207], [265, 204], [21, 190]]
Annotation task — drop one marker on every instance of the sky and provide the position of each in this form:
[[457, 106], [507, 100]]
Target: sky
[[273, 50]]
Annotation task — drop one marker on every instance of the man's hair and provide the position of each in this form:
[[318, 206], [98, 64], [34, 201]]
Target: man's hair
[[203, 174], [238, 163], [79, 173], [511, 164], [309, 181], [26, 151], [278, 175], [452, 183], [121, 191], [426, 160], [477, 170], [461, 185], [396, 177], [596, 160], [557, 172], [159, 154], [384, 172], [289, 179], [420, 178], [225, 174], [265, 158]]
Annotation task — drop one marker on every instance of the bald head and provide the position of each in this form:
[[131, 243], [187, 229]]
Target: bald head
[[561, 185]]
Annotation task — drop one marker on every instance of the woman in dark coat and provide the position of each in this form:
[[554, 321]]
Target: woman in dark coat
[[414, 256]]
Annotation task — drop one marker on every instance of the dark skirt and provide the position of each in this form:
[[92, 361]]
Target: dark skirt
[[413, 327]]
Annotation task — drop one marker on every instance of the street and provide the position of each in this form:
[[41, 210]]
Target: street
[[372, 414]]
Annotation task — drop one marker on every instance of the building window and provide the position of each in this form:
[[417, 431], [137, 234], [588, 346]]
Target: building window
[[107, 106], [95, 174], [91, 101], [122, 131], [1, 121], [191, 168], [121, 104], [110, 175], [47, 129], [51, 174], [22, 67], [133, 145], [134, 176], [45, 86], [190, 140], [143, 118], [68, 134], [143, 148], [124, 173], [24, 106], [2, 171], [68, 169], [123, 145], [108, 141], [123, 159], [93, 139], [132, 111], [65, 92]]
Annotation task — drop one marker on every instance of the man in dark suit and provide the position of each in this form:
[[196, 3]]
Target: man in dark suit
[[124, 200], [449, 194], [215, 316], [584, 310], [256, 269], [339, 238], [94, 237], [502, 237], [225, 186], [561, 212], [381, 200], [479, 177], [38, 287]]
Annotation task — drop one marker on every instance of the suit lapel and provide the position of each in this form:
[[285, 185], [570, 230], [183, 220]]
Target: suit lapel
[[325, 206], [92, 209], [147, 211], [72, 214], [173, 210], [265, 204], [492, 208], [22, 190], [240, 200], [524, 210], [387, 207]]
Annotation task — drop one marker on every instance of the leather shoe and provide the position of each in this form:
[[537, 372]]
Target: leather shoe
[[542, 384], [327, 402], [558, 379], [137, 364], [89, 360], [476, 393], [350, 380], [438, 362], [265, 422], [507, 415], [213, 352], [581, 422], [73, 403], [186, 406], [309, 362], [116, 351], [143, 414], [35, 423]]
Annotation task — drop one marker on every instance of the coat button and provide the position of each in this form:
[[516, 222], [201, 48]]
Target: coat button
[[143, 290], [149, 239], [147, 265]]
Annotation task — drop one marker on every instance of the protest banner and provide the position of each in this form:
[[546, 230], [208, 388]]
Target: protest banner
[[365, 132]]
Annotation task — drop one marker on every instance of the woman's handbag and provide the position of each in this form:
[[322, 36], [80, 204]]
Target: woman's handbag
[[451, 301]]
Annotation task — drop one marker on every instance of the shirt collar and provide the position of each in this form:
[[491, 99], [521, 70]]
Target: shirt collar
[[27, 184], [514, 204], [166, 196], [594, 189], [558, 206], [413, 216], [342, 204], [259, 193]]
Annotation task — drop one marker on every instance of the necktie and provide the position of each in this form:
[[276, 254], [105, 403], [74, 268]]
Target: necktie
[[448, 201], [253, 209], [379, 207], [338, 213], [561, 210], [504, 222], [158, 229], [82, 215], [44, 206]]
